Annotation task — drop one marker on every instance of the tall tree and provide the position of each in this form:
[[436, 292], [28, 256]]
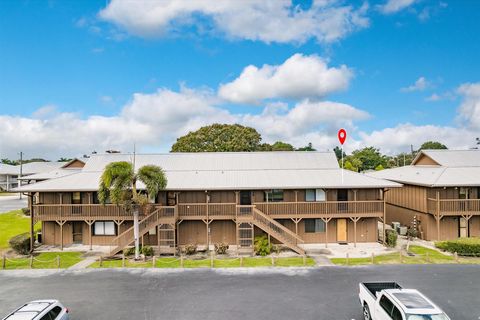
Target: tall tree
[[118, 184], [308, 147], [339, 152], [367, 158], [282, 146], [432, 145], [219, 138]]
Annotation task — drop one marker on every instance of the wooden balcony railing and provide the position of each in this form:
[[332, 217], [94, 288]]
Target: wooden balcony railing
[[327, 208], [453, 207], [198, 211]]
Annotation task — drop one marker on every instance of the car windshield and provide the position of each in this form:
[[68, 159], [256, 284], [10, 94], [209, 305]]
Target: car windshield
[[440, 316]]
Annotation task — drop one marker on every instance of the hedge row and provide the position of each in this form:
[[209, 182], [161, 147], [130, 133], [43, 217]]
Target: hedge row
[[462, 246]]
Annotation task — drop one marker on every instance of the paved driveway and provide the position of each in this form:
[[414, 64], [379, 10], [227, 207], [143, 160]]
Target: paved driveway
[[9, 203], [328, 293]]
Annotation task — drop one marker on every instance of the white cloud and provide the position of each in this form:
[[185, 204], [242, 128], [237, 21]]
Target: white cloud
[[393, 6], [153, 121], [45, 112], [262, 20], [298, 77], [469, 110], [399, 138], [420, 85]]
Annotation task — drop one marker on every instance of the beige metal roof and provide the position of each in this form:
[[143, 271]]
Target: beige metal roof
[[453, 158], [57, 173], [457, 168], [30, 168], [225, 171]]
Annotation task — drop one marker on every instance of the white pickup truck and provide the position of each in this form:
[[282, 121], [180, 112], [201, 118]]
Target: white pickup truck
[[389, 301]]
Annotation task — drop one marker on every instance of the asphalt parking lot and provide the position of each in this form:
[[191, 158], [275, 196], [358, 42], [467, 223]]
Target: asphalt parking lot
[[324, 293], [9, 203]]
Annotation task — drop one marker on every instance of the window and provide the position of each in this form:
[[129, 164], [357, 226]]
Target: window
[[275, 195], [386, 304], [310, 195], [55, 312], [314, 195], [104, 228], [95, 199], [396, 315], [314, 225]]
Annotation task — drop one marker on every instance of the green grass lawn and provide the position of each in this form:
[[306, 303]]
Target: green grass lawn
[[205, 263], [11, 224], [422, 256], [45, 260]]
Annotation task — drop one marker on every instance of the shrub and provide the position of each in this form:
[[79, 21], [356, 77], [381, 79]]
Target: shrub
[[262, 247], [147, 251], [20, 243], [26, 211], [462, 246], [129, 251], [190, 249], [221, 248], [391, 238]]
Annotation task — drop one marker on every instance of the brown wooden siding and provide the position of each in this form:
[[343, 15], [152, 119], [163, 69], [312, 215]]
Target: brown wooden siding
[[411, 197], [425, 160]]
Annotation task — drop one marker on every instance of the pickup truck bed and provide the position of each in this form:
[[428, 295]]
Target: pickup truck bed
[[374, 287]]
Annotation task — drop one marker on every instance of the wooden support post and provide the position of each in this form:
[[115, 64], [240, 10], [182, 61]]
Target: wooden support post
[[401, 256], [438, 215], [61, 236], [101, 262], [31, 261], [269, 240], [384, 233], [427, 258], [123, 260], [241, 261], [181, 261], [455, 256], [304, 260], [58, 262], [153, 261], [273, 261], [32, 222], [4, 262], [211, 260], [347, 260], [373, 258]]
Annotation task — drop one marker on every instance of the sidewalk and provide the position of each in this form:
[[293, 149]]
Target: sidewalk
[[335, 250]]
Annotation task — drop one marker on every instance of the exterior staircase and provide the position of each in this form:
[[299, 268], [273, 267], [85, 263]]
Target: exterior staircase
[[250, 214], [161, 216]]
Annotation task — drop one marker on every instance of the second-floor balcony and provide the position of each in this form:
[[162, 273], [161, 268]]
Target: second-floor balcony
[[453, 207], [212, 211]]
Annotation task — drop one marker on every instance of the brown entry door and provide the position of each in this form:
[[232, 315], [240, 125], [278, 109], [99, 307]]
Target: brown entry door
[[462, 227], [77, 232], [341, 230]]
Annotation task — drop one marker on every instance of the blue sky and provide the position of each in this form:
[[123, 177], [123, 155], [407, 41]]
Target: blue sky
[[78, 76]]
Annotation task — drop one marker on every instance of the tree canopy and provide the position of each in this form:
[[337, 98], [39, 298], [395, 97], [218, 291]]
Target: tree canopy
[[219, 138], [432, 145]]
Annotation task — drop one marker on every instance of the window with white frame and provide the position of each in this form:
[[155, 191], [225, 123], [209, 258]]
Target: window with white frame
[[312, 195], [104, 228]]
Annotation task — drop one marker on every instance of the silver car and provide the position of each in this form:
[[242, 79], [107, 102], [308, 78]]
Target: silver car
[[40, 310]]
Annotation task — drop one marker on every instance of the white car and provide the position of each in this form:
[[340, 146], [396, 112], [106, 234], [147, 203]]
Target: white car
[[40, 310], [389, 301]]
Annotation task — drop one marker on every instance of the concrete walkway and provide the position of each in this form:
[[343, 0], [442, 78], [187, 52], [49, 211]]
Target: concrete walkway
[[84, 263], [335, 250]]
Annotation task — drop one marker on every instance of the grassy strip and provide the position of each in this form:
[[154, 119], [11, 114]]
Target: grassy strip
[[422, 256], [205, 263], [11, 224], [48, 261]]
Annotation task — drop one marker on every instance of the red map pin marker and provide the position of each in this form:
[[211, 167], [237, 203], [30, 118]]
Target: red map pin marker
[[342, 136]]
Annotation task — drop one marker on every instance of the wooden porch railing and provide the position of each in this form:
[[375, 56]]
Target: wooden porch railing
[[332, 208], [80, 211], [454, 206]]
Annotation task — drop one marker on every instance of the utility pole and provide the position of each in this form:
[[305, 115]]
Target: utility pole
[[21, 172]]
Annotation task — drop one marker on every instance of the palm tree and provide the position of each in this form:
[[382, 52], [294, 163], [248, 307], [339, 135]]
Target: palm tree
[[118, 184]]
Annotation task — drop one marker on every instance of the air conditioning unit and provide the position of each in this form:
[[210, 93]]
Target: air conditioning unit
[[402, 231], [395, 225]]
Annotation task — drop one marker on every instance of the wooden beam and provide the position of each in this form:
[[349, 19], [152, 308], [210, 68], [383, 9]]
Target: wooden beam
[[438, 215], [90, 223], [32, 222]]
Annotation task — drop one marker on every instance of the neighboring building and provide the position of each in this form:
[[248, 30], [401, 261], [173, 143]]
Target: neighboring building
[[297, 198], [441, 190], [10, 175], [65, 169]]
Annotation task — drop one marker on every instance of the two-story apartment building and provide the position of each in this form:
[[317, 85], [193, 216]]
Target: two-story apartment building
[[441, 191], [12, 176], [296, 198]]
